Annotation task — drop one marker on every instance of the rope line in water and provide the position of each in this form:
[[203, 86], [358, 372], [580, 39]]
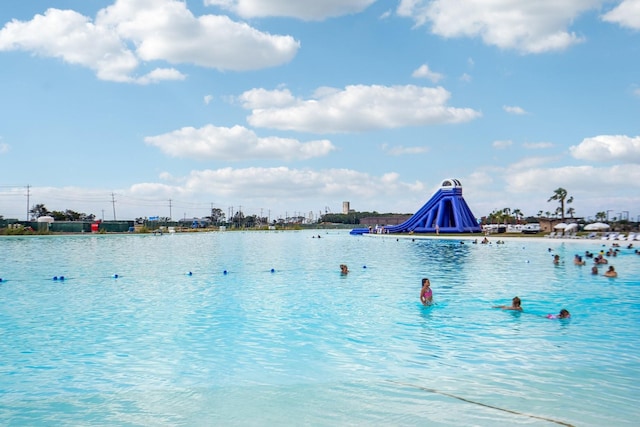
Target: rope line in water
[[431, 390]]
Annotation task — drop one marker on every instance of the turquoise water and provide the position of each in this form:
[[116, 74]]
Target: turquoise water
[[304, 345]]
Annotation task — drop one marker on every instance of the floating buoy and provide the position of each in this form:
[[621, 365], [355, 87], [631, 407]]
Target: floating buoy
[[61, 277], [224, 272], [0, 279], [55, 278], [189, 274], [273, 270], [115, 276], [364, 266]]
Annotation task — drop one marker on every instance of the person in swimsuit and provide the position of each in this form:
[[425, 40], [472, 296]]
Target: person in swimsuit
[[564, 314], [516, 305], [426, 294]]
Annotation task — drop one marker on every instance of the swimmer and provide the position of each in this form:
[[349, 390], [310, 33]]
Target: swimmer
[[594, 270], [564, 314], [577, 260], [426, 294], [343, 268], [611, 272], [516, 304], [556, 259]]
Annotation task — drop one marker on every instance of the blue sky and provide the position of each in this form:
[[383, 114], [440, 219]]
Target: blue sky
[[283, 107]]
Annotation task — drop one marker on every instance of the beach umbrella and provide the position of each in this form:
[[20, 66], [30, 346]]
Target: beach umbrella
[[596, 226], [560, 226], [571, 227]]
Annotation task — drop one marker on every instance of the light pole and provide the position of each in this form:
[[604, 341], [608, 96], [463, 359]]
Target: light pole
[[610, 210]]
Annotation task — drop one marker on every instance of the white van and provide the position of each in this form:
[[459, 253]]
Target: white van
[[531, 228]]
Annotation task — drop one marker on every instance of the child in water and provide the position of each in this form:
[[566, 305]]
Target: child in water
[[564, 314], [516, 305], [426, 294]]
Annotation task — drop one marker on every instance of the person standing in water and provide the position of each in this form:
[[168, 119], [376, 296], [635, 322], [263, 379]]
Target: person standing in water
[[426, 294]]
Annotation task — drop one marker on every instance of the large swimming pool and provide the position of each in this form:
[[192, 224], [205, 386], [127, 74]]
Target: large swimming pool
[[260, 328]]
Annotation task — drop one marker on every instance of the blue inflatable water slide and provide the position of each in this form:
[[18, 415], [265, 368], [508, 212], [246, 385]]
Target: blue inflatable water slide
[[445, 212]]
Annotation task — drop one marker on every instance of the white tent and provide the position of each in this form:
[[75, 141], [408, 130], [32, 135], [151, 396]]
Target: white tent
[[560, 226], [571, 227], [45, 218], [596, 226]]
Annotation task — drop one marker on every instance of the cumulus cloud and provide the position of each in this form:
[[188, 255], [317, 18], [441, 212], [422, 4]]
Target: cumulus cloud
[[4, 148], [588, 179], [127, 35], [355, 108], [233, 144], [522, 25], [305, 10], [514, 110], [608, 148], [626, 14], [272, 186], [424, 72]]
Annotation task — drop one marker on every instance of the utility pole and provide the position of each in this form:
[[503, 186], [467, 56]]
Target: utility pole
[[169, 209], [28, 194], [113, 202]]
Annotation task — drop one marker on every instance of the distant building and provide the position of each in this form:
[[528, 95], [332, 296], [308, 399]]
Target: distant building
[[345, 207], [372, 221]]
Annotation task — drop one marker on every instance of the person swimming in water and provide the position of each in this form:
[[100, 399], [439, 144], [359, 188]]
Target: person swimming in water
[[516, 304], [564, 314], [611, 272], [344, 269], [426, 294]]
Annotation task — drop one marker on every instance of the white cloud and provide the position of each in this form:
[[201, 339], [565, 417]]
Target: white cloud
[[207, 99], [528, 184], [636, 92], [279, 187], [537, 145], [501, 144], [400, 150], [236, 143], [522, 25], [305, 10], [424, 72], [585, 179], [355, 108], [626, 14], [130, 34], [514, 110], [607, 148], [465, 78]]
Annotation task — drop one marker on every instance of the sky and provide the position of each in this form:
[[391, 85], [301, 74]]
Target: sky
[[280, 108]]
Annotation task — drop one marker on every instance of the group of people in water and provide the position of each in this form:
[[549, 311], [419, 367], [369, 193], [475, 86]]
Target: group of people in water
[[516, 305], [426, 293]]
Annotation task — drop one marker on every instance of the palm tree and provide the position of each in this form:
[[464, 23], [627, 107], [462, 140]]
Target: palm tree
[[518, 214], [570, 212], [560, 194], [601, 216]]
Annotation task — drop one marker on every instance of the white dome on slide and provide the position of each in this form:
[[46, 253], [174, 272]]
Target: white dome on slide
[[450, 183]]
